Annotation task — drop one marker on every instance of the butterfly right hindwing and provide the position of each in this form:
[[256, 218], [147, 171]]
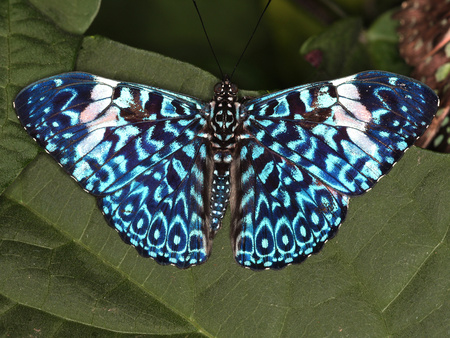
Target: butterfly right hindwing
[[282, 213]]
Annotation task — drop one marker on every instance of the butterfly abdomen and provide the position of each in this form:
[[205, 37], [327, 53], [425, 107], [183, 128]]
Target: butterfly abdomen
[[220, 188]]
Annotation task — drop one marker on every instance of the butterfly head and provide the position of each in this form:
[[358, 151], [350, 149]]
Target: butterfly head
[[225, 90]]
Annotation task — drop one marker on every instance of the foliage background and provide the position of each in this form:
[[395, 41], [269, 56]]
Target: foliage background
[[65, 273]]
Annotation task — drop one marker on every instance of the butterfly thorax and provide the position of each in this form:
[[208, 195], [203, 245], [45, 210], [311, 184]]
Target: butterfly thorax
[[224, 107]]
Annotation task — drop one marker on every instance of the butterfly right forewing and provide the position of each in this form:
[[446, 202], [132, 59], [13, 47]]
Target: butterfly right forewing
[[304, 151], [346, 132]]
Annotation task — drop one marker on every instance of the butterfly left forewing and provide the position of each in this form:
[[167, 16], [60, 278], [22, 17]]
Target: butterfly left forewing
[[138, 149]]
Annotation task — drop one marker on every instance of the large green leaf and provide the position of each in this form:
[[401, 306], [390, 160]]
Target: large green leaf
[[31, 47], [73, 16], [386, 273], [64, 272]]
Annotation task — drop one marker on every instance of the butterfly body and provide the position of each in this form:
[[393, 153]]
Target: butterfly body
[[164, 166], [223, 122]]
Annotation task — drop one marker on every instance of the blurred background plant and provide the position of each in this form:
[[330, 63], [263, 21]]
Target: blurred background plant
[[273, 60], [299, 41]]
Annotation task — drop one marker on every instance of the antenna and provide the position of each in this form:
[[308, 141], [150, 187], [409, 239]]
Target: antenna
[[207, 38], [246, 46], [251, 37]]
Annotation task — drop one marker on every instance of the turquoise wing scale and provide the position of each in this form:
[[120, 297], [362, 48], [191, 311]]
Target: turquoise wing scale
[[164, 166], [306, 150], [135, 148]]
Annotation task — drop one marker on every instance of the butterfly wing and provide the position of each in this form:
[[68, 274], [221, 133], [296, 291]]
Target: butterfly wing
[[305, 150], [138, 149], [282, 213]]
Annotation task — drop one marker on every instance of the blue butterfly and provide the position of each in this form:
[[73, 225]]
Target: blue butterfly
[[164, 166]]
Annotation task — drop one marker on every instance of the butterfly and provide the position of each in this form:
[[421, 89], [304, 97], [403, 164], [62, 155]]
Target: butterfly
[[165, 166]]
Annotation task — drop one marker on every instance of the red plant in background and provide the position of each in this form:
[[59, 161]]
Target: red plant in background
[[425, 44]]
